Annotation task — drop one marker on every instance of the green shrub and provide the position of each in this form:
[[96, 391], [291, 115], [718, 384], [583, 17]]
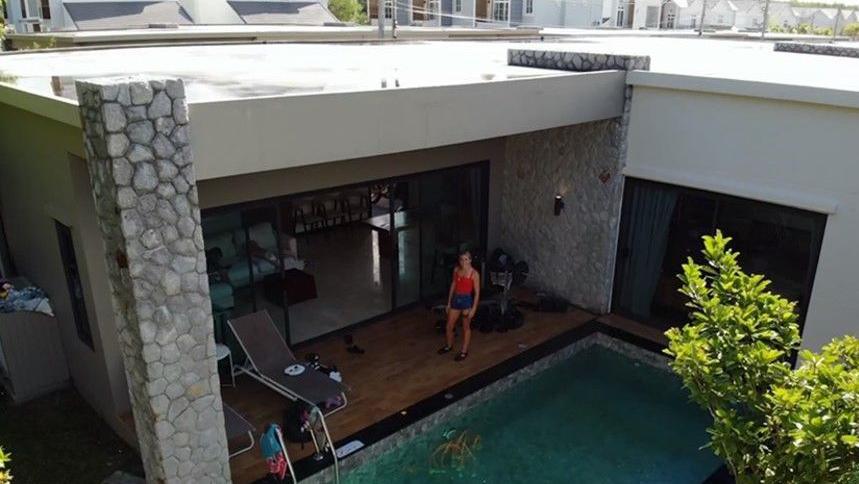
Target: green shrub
[[348, 11], [851, 30], [803, 29], [5, 475], [823, 31], [771, 424]]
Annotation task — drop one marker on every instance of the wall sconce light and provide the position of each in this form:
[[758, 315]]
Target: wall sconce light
[[559, 204]]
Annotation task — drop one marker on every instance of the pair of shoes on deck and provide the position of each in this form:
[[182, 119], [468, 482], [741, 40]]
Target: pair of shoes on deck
[[446, 349]]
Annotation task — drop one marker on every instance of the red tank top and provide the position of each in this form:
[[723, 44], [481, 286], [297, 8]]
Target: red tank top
[[463, 285]]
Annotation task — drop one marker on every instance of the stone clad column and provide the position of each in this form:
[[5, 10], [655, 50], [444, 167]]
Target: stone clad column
[[586, 163], [139, 158]]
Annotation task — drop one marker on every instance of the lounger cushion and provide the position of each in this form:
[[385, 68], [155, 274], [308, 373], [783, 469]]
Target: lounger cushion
[[270, 355]]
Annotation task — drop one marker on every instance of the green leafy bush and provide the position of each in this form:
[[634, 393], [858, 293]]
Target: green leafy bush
[[802, 29], [771, 424], [823, 31], [851, 30], [348, 11], [5, 475]]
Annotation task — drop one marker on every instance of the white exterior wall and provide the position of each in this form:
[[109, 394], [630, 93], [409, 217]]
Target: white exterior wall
[[749, 19], [547, 13], [821, 20], [767, 150], [211, 11], [271, 133], [783, 17], [464, 18], [584, 13], [640, 7]]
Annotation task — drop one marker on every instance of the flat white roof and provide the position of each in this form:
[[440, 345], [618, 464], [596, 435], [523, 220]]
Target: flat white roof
[[240, 71], [218, 72], [738, 60]]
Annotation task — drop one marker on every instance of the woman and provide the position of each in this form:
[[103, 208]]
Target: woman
[[462, 300]]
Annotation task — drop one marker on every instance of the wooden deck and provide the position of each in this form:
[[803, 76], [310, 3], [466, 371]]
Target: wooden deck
[[400, 368]]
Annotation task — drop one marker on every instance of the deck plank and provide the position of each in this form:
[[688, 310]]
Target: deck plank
[[399, 369]]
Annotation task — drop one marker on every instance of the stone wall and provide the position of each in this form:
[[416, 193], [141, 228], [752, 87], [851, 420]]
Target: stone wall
[[142, 176], [568, 254], [815, 48], [572, 254]]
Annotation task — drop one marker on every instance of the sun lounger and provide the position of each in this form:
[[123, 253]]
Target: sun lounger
[[237, 426], [268, 356]]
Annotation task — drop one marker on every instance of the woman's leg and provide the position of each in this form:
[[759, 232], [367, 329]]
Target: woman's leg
[[466, 332], [452, 316]]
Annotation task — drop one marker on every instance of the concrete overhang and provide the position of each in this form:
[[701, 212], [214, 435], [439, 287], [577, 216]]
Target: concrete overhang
[[248, 135], [830, 96], [235, 137]]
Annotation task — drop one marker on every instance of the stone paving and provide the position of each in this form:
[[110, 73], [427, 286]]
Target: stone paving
[[142, 176]]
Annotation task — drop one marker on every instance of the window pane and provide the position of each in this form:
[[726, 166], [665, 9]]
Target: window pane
[[662, 226], [343, 270], [73, 282], [452, 221]]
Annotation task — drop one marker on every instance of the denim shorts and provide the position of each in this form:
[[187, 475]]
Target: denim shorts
[[462, 301]]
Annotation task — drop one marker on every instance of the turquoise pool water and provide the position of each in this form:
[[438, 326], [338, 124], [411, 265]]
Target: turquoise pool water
[[599, 417]]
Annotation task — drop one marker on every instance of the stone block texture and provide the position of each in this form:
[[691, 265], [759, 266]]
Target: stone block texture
[[572, 254], [816, 48], [142, 176]]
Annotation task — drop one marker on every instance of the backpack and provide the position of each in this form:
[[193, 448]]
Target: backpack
[[295, 421]]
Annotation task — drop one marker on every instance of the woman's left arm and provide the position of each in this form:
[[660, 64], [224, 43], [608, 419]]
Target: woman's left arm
[[476, 278]]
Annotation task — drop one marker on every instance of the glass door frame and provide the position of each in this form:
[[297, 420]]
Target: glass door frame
[[276, 203]]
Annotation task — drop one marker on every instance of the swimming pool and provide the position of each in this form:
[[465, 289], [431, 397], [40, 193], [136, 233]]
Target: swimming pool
[[598, 417]]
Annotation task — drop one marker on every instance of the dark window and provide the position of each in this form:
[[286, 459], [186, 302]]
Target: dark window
[[73, 280], [6, 269], [46, 9], [662, 225]]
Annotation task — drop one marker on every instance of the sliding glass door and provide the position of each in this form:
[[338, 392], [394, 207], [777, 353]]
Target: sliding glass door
[[662, 225], [454, 206], [320, 262], [406, 215], [243, 265]]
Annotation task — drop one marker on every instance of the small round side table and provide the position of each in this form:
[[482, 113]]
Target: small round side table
[[221, 352]]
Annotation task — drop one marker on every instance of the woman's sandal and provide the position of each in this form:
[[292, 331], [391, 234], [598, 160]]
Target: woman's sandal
[[461, 356], [444, 349]]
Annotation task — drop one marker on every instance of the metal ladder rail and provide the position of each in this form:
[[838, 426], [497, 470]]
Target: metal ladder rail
[[329, 443], [286, 456]]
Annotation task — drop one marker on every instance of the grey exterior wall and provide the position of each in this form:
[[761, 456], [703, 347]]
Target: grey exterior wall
[[41, 182], [516, 8], [404, 16], [446, 8]]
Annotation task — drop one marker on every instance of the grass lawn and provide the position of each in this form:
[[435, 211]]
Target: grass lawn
[[60, 438]]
